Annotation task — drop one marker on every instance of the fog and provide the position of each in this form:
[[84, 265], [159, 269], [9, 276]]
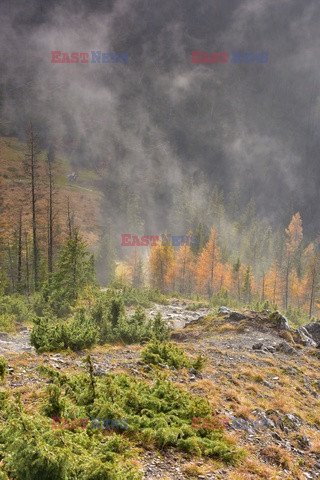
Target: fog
[[160, 120]]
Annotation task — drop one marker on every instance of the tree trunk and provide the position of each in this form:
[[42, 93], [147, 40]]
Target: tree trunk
[[312, 291], [50, 225], [19, 270]]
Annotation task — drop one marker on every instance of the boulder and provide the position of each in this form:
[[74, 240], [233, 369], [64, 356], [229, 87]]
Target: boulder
[[304, 338], [280, 320], [224, 311], [313, 329], [285, 348], [232, 314], [237, 316], [291, 421]]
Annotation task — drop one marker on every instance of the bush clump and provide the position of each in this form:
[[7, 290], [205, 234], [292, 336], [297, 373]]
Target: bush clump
[[3, 368], [33, 446], [53, 334], [106, 322], [168, 353]]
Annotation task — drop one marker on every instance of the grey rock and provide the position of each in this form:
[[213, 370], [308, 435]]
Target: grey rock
[[303, 442], [162, 365], [284, 347], [224, 310], [280, 320], [313, 329], [268, 384], [291, 421], [237, 316], [257, 346], [304, 337], [270, 349]]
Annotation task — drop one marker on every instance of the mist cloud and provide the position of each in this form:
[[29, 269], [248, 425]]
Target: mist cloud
[[159, 118]]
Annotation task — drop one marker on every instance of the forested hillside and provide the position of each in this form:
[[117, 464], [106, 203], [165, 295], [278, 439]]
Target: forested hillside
[[239, 258]]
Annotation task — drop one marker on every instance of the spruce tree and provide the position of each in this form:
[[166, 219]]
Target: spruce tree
[[74, 270]]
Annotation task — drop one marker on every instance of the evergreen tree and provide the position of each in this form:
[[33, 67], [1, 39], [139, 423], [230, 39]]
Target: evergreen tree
[[236, 269], [106, 259], [247, 285], [137, 270], [74, 271]]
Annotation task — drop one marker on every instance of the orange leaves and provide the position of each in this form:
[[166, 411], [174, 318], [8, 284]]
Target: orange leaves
[[294, 233], [207, 272], [161, 265], [274, 285], [185, 269]]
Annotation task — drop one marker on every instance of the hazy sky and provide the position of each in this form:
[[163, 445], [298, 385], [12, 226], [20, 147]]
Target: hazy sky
[[254, 126]]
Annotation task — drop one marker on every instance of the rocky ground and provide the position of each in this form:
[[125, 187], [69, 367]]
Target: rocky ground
[[257, 368]]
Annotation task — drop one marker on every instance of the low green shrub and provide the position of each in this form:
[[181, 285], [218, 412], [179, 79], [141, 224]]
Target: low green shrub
[[107, 322], [158, 413], [16, 305], [14, 308], [7, 322], [132, 296], [51, 334], [3, 368], [157, 353]]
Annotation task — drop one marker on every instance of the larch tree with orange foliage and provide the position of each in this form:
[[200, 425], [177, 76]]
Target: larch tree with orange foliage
[[273, 286], [161, 262], [208, 261], [223, 277], [294, 234], [311, 278], [185, 266]]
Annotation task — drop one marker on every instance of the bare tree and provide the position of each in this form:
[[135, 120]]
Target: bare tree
[[50, 160], [19, 269], [70, 218], [31, 168]]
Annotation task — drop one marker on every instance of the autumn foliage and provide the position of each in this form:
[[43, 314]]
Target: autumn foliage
[[290, 280]]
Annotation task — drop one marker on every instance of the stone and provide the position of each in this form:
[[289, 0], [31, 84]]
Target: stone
[[257, 346], [270, 349], [280, 320], [313, 329], [285, 348], [224, 311], [291, 421], [268, 384], [237, 316], [304, 338], [302, 441]]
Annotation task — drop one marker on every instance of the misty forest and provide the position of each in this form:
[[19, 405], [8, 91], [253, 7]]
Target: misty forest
[[159, 240]]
